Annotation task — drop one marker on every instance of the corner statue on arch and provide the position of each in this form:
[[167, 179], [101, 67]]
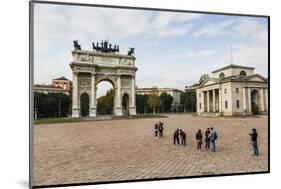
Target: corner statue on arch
[[104, 62]]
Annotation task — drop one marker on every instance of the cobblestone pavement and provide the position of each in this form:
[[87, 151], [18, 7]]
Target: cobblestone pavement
[[114, 150]]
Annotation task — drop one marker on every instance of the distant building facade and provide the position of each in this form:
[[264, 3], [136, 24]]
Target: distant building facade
[[233, 90], [59, 85], [175, 93], [62, 82]]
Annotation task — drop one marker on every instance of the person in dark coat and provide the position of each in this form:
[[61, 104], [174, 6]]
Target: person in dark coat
[[156, 130], [161, 128], [207, 140], [176, 137], [254, 137], [183, 137], [199, 139]]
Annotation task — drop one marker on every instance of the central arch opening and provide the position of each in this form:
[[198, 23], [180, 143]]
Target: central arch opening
[[105, 98]]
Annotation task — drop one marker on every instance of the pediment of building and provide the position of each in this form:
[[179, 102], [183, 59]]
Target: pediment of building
[[209, 81], [257, 78]]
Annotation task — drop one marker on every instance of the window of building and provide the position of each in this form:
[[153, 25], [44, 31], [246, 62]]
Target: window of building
[[225, 103], [225, 91], [200, 105], [237, 104], [243, 73], [221, 75], [237, 90]]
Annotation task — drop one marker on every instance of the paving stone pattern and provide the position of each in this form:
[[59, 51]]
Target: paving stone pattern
[[113, 150]]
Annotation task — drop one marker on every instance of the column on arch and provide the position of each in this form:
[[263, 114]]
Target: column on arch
[[132, 109], [118, 108], [93, 96], [75, 109]]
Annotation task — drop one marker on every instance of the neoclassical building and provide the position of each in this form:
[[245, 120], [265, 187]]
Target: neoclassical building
[[233, 90]]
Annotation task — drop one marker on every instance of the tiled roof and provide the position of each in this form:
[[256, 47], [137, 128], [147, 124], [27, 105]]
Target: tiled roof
[[62, 78]]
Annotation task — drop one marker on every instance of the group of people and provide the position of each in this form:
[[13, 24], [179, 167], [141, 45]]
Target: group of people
[[179, 137], [158, 129], [179, 134], [210, 138]]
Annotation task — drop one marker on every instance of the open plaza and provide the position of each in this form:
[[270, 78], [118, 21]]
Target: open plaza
[[126, 149]]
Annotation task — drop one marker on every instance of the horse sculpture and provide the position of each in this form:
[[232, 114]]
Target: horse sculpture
[[76, 45], [106, 47], [131, 51]]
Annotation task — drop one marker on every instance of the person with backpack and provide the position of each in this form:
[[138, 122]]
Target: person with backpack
[[199, 139], [213, 137]]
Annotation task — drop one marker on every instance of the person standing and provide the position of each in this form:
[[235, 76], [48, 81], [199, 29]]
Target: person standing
[[213, 137], [254, 137], [199, 139], [176, 137], [207, 140], [161, 128], [183, 137], [156, 130]]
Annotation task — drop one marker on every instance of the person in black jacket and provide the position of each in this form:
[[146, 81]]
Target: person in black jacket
[[183, 137], [207, 140], [176, 137], [161, 128], [254, 137], [199, 139], [156, 130]]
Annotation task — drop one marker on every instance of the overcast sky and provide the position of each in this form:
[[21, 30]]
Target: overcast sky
[[171, 49]]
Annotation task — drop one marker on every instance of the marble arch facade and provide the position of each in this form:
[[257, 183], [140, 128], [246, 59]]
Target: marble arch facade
[[91, 67]]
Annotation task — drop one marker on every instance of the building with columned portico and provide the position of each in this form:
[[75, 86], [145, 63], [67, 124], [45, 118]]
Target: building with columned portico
[[233, 90]]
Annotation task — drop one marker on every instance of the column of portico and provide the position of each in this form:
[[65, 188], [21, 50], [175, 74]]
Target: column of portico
[[249, 100], [202, 101], [262, 100], [214, 100], [93, 96], [132, 109], [118, 108], [220, 103], [244, 100], [266, 99], [75, 109], [208, 101]]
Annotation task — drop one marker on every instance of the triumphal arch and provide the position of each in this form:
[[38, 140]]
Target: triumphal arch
[[103, 63]]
